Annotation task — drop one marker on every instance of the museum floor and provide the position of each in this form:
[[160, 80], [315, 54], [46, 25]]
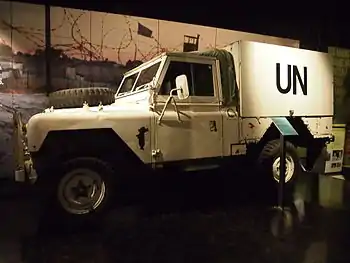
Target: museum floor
[[196, 218]]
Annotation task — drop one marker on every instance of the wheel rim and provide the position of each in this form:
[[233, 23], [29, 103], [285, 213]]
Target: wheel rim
[[81, 191], [290, 168]]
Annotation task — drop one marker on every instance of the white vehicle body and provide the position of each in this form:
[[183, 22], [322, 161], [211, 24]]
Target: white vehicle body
[[221, 124], [257, 79]]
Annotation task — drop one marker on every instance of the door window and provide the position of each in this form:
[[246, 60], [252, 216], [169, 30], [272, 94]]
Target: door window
[[199, 76]]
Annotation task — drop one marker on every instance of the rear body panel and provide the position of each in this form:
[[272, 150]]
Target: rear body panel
[[275, 80]]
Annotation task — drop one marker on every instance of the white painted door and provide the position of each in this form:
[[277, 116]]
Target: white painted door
[[199, 134]]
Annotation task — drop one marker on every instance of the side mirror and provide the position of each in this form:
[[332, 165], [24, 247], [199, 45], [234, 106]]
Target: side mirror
[[182, 87]]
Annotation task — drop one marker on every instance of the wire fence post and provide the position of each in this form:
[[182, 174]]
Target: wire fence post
[[48, 49]]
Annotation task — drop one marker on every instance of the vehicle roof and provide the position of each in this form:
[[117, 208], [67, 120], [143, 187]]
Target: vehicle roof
[[169, 54]]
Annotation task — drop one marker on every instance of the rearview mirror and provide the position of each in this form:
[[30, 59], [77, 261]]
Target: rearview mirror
[[182, 87]]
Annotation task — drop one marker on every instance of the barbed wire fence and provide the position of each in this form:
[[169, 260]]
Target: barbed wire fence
[[79, 45]]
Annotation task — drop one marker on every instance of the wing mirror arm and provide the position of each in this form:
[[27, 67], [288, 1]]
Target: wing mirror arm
[[171, 97], [182, 94]]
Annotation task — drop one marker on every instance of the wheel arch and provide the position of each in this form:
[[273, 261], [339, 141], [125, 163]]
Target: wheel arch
[[304, 139], [102, 143]]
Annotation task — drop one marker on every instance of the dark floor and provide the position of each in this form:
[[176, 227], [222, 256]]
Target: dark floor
[[195, 218]]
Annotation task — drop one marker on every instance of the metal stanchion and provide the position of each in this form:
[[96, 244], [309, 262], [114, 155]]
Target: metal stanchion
[[282, 222], [282, 172]]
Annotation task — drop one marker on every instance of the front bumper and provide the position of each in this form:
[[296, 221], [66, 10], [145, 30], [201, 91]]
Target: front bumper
[[26, 174], [24, 170]]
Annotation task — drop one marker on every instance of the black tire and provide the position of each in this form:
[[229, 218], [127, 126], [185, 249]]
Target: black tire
[[104, 171], [73, 98], [271, 151]]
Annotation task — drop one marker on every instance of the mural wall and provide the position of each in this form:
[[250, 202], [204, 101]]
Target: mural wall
[[87, 49], [22, 70], [341, 70], [94, 48]]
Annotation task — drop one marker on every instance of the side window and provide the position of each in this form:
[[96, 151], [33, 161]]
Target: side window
[[203, 79], [175, 69], [199, 76]]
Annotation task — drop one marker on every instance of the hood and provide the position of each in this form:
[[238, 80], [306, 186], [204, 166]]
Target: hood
[[118, 116], [123, 107], [86, 117], [115, 108]]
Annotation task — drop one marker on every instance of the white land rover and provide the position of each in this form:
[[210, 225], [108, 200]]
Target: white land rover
[[188, 110]]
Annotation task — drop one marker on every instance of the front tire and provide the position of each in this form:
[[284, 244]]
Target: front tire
[[269, 159], [84, 187]]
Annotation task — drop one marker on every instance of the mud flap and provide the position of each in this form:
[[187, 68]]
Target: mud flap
[[320, 163]]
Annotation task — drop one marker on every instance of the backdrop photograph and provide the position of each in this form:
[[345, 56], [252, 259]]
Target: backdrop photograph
[[87, 49]]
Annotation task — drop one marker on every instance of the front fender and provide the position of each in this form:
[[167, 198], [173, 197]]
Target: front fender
[[133, 128]]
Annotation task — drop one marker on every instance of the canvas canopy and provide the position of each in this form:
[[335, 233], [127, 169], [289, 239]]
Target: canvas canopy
[[228, 75]]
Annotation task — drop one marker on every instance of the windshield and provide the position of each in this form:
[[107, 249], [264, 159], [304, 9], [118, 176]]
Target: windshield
[[141, 78], [128, 83]]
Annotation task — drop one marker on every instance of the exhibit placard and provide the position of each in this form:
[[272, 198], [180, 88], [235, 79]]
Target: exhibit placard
[[284, 126], [346, 163], [336, 150]]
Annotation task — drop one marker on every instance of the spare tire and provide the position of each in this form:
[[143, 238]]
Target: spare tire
[[73, 98]]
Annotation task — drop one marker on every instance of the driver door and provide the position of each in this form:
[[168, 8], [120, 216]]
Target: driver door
[[198, 135]]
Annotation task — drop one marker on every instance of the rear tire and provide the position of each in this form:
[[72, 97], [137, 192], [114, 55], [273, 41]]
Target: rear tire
[[269, 160]]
